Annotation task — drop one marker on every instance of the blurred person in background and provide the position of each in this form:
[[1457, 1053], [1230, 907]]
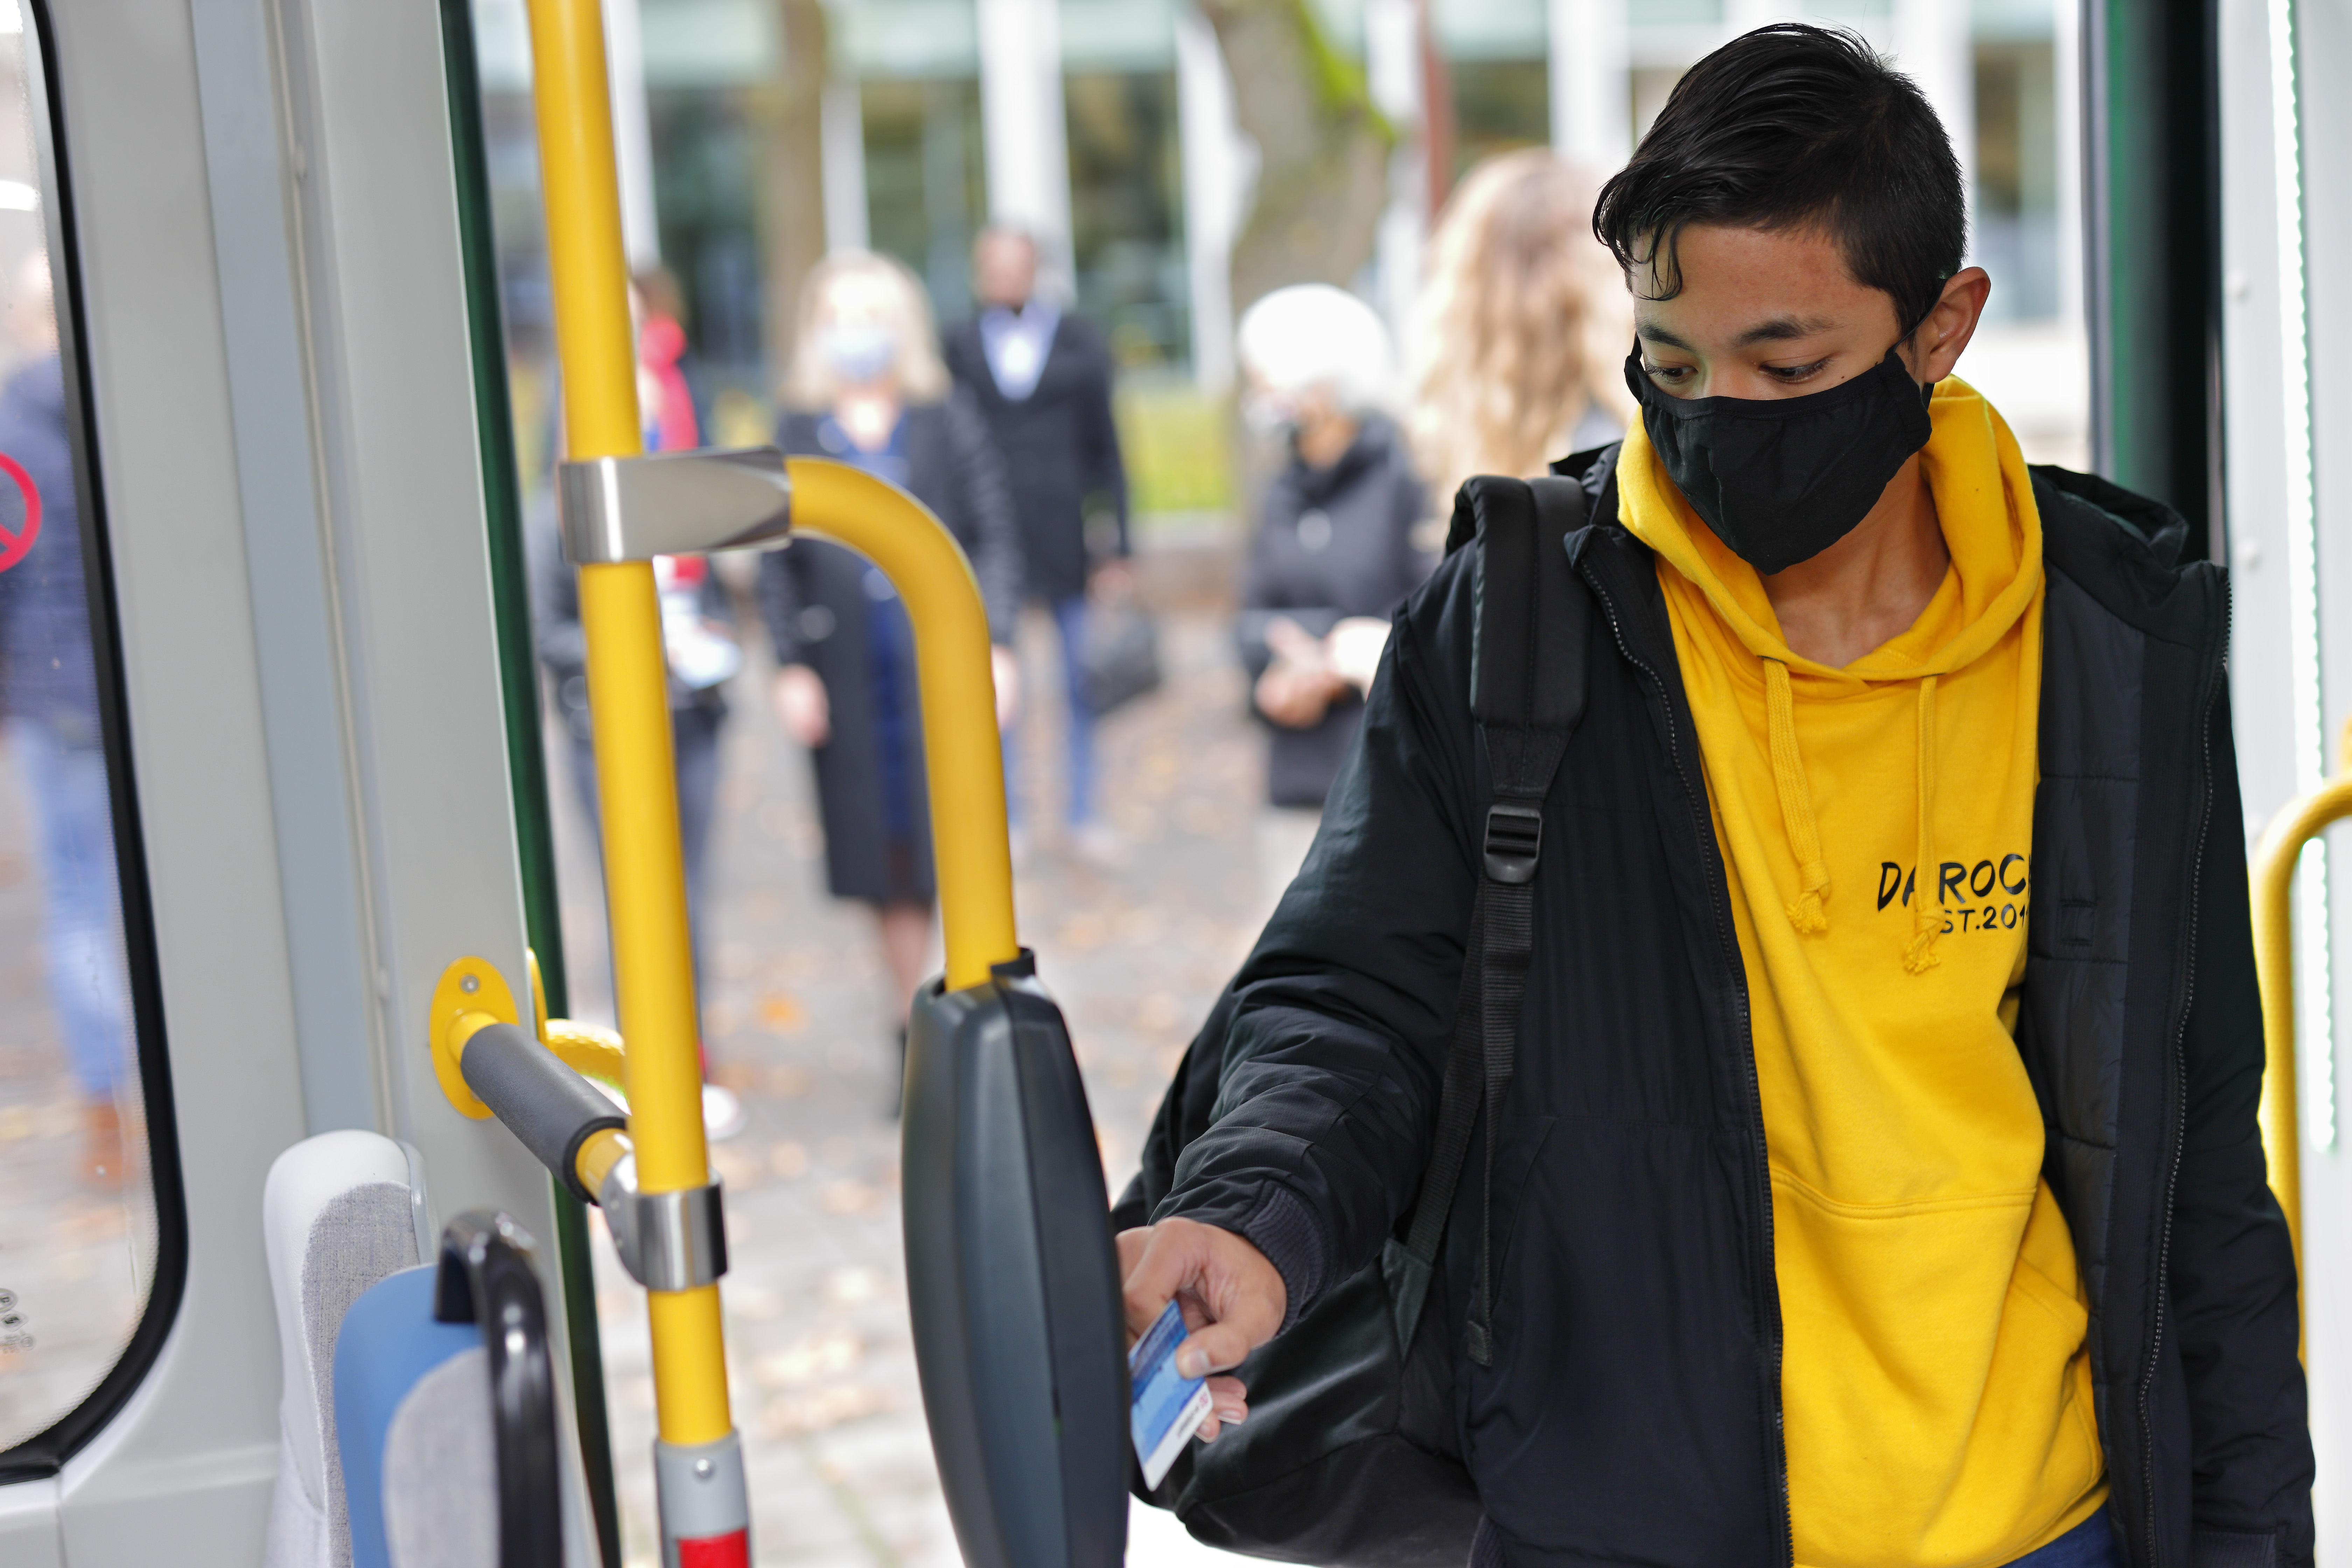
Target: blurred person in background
[[698, 636], [1042, 380], [1334, 552], [678, 414], [868, 386], [48, 695], [1523, 323]]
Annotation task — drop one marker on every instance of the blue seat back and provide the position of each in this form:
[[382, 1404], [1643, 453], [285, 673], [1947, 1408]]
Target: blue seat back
[[403, 1435]]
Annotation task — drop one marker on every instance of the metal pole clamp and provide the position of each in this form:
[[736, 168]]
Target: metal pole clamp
[[667, 1241], [673, 503]]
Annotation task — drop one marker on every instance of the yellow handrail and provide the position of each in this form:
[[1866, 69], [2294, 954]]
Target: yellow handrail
[[2297, 823], [961, 751], [628, 695]]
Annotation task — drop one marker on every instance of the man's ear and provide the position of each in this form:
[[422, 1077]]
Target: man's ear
[[1935, 348]]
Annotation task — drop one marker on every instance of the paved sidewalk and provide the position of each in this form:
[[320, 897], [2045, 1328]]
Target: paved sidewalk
[[826, 1391]]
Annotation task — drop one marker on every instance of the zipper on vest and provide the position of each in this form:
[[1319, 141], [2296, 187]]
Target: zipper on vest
[[2175, 1134], [1767, 1303]]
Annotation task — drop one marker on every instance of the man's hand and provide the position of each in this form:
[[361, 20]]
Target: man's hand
[[801, 707], [1232, 1300]]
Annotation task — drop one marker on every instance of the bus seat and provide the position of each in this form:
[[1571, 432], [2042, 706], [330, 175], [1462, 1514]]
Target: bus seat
[[445, 1406], [412, 1410], [337, 1216]]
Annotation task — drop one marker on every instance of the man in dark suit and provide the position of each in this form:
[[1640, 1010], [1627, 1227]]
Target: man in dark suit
[[1043, 382]]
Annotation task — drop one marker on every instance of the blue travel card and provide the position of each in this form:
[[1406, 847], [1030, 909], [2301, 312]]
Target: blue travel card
[[1168, 1407]]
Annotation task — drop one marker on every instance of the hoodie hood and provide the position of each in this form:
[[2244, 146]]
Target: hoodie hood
[[1983, 496]]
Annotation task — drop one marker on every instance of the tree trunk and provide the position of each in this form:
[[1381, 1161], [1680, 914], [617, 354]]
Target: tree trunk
[[790, 115], [1323, 149]]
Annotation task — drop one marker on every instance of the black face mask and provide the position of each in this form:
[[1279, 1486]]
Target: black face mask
[[1781, 480]]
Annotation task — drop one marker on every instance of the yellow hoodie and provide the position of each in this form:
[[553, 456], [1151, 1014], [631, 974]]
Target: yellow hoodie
[[1875, 824]]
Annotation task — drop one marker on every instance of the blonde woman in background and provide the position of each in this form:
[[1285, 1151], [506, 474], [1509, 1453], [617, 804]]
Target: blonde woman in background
[[1523, 323], [868, 386]]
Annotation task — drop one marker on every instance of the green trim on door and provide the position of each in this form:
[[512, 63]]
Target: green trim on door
[[519, 688], [2152, 200]]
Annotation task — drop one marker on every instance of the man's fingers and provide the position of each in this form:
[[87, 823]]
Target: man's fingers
[[1216, 1275], [1172, 1259], [1216, 1348], [1130, 1245]]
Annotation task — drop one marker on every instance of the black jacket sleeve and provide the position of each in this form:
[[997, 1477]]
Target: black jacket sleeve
[[1412, 561], [780, 606], [994, 537], [1257, 600], [1265, 593], [2233, 1276], [1102, 470], [960, 348], [1341, 1016]]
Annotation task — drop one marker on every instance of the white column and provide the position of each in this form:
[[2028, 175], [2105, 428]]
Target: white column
[[1932, 47], [1028, 158], [1218, 169], [633, 141], [1591, 90], [1392, 72], [2066, 78], [842, 153]]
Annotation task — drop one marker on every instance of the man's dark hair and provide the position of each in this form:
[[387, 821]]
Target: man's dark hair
[[1792, 127]]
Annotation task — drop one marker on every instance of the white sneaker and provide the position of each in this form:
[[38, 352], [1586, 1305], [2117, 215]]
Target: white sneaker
[[722, 1113]]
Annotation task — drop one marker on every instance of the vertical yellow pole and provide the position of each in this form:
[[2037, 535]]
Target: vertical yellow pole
[[628, 697]]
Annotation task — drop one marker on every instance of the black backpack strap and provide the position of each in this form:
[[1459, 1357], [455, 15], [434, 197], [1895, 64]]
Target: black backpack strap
[[1527, 694]]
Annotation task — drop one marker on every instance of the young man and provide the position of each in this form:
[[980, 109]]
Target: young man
[[1879, 1182], [1043, 381]]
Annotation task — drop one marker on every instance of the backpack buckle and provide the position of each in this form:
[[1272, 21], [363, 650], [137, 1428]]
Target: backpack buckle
[[1514, 840]]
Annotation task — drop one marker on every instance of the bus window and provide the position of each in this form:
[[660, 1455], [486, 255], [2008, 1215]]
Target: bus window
[[78, 1232]]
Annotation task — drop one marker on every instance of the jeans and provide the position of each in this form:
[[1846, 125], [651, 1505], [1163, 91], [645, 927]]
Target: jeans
[[2090, 1545], [1070, 625], [81, 900]]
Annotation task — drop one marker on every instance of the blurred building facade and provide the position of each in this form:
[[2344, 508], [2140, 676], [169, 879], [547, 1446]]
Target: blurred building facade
[[1107, 128]]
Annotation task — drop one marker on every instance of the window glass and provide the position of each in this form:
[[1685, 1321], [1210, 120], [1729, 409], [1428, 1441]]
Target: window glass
[[77, 1226]]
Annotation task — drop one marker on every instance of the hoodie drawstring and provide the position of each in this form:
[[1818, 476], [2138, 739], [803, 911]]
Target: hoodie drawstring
[[1926, 924], [1796, 801], [1804, 834]]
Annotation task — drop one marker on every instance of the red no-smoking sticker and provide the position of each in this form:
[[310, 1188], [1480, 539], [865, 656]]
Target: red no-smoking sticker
[[14, 545]]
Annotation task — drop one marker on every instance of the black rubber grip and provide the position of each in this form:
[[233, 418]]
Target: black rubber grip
[[551, 1108]]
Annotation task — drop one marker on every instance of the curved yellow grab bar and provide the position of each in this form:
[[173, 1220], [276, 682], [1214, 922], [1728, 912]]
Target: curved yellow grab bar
[[586, 1048], [963, 755], [2297, 823]]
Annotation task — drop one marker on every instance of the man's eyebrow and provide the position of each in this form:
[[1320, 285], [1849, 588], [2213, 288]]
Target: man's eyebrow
[[1782, 328], [1649, 333]]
